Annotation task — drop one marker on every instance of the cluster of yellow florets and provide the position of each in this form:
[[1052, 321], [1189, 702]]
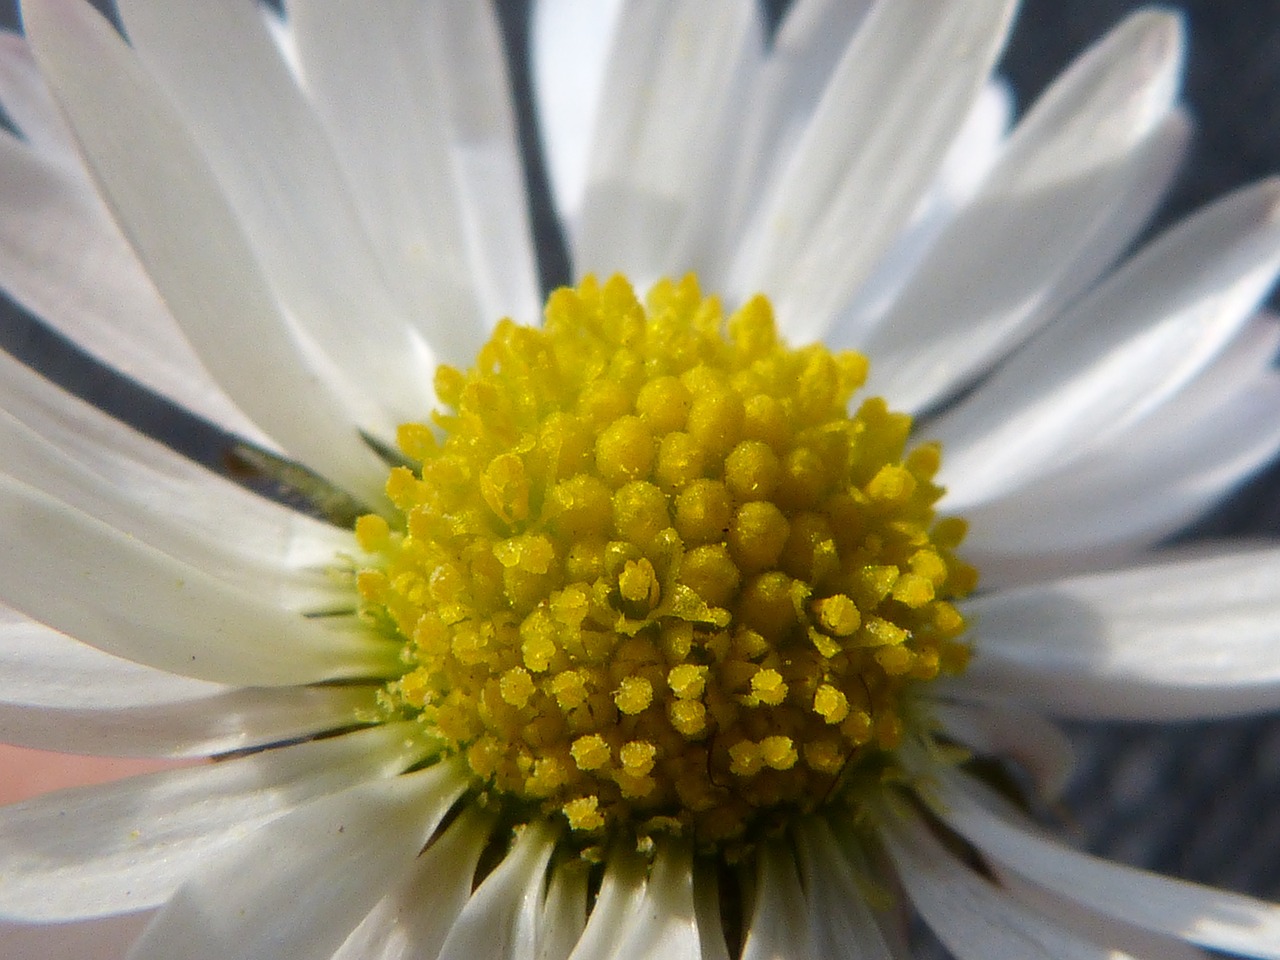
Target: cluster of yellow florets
[[653, 574]]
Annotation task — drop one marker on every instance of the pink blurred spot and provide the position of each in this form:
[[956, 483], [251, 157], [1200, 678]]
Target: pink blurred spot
[[28, 773]]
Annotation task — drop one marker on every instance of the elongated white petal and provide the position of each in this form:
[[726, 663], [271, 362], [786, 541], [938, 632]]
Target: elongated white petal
[[1120, 353], [840, 924], [269, 155], [892, 109], [571, 40], [57, 694], [416, 100], [165, 196], [79, 576], [1195, 637], [665, 922], [565, 915], [29, 104], [1211, 918], [779, 925], [782, 98], [130, 505], [107, 939], [654, 167], [975, 920], [1145, 482], [1044, 223], [124, 846], [332, 857], [502, 919], [621, 891], [63, 259], [999, 729], [414, 918]]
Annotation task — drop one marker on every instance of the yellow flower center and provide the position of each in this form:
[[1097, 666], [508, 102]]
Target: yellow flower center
[[651, 575]]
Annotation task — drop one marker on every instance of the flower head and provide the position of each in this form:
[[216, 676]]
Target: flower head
[[652, 627]]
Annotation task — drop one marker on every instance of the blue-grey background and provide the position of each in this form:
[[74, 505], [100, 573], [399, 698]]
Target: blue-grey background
[[1201, 801]]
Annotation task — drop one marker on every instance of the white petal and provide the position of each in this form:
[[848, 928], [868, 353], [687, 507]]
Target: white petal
[[665, 921], [840, 923], [1069, 913], [565, 916], [300, 884], [79, 576], [1143, 483], [1044, 223], [107, 939], [127, 845], [165, 196], [785, 93], [894, 106], [417, 104], [674, 77], [1212, 918], [28, 103], [64, 259], [413, 920], [1005, 730], [976, 921], [269, 154], [57, 694], [1119, 353], [210, 508], [1188, 638], [570, 43], [134, 505], [621, 892], [779, 925], [502, 920]]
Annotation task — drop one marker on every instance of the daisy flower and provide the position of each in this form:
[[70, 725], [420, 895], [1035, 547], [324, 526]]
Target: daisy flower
[[642, 621]]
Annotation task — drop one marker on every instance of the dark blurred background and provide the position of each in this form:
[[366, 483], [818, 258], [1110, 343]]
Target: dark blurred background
[[1201, 801]]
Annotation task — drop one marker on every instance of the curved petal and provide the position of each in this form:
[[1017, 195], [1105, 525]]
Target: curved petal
[[57, 694], [503, 918], [29, 104], [63, 259], [1143, 483], [333, 858], [1212, 918], [416, 101], [570, 42], [107, 939], [565, 916], [779, 925], [891, 111], [413, 920], [655, 166], [79, 576], [134, 505], [1119, 353], [975, 920], [1190, 637], [665, 922], [127, 845], [1044, 223], [840, 924], [1005, 730], [621, 891], [268, 153], [173, 211]]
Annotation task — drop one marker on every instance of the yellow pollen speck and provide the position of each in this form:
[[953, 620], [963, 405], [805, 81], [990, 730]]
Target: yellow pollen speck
[[633, 695], [653, 569], [830, 703], [767, 686], [590, 752]]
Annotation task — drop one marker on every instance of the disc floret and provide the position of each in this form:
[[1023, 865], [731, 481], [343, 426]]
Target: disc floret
[[652, 575]]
